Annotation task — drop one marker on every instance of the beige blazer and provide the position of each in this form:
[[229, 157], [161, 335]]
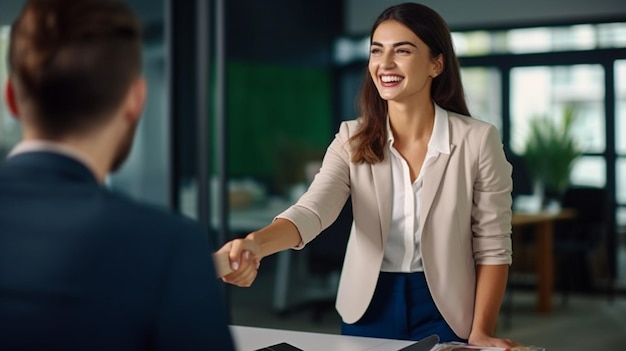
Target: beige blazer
[[465, 214]]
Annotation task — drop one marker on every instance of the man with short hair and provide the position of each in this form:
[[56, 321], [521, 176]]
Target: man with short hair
[[82, 268]]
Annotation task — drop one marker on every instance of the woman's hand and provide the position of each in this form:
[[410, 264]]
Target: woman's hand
[[245, 254], [244, 258], [481, 339]]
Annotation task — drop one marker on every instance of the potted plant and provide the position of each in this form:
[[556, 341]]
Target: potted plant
[[550, 152]]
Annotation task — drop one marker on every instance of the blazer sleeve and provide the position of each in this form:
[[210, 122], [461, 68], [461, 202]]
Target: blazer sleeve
[[491, 211], [320, 206], [192, 315]]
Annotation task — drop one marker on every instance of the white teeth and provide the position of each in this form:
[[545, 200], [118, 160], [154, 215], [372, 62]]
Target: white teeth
[[388, 79]]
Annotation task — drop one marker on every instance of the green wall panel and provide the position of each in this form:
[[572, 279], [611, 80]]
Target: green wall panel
[[279, 117]]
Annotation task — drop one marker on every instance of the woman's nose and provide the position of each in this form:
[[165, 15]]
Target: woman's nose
[[387, 60]]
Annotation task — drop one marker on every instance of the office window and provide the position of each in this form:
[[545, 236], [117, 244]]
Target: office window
[[612, 35], [512, 41], [589, 171], [527, 40], [621, 181], [482, 90], [474, 43], [547, 90], [541, 39]]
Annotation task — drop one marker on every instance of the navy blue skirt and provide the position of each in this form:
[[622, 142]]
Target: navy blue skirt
[[401, 308]]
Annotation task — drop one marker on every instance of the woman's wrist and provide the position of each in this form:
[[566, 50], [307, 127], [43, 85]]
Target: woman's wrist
[[255, 243]]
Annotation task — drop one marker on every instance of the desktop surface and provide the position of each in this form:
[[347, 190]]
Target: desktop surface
[[253, 339]]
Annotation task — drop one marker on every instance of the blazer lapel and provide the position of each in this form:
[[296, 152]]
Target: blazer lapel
[[383, 189], [433, 175]]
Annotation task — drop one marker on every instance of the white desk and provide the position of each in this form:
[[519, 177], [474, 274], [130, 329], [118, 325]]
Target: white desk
[[250, 339]]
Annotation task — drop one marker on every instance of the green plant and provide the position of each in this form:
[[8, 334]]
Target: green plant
[[550, 150]]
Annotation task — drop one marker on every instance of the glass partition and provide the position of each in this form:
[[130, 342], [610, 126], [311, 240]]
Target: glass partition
[[620, 142], [620, 107]]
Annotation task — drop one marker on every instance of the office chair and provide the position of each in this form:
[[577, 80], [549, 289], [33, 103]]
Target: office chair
[[522, 272], [577, 240]]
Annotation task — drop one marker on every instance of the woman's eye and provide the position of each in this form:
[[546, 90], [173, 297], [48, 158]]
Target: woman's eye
[[403, 51], [375, 51]]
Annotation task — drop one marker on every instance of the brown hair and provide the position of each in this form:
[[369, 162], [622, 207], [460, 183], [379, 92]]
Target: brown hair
[[73, 60], [446, 89]]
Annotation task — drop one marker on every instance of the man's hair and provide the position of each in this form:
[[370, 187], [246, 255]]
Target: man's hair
[[73, 61]]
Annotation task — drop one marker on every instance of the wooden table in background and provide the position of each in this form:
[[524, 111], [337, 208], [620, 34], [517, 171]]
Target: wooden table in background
[[544, 224]]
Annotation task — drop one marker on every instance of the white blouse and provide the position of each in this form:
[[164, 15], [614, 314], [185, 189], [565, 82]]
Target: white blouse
[[402, 250]]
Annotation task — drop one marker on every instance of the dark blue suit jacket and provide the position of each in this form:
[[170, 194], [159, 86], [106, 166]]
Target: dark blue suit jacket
[[83, 269]]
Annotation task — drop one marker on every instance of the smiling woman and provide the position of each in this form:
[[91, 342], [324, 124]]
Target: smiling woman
[[430, 189]]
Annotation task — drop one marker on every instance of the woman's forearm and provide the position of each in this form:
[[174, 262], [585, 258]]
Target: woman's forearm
[[280, 235], [491, 281]]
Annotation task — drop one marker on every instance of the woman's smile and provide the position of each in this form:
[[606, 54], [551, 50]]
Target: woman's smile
[[390, 80]]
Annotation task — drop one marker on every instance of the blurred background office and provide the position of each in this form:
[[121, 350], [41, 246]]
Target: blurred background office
[[245, 95]]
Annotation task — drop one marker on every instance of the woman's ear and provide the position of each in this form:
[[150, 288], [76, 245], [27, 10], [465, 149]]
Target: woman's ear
[[11, 100], [438, 66]]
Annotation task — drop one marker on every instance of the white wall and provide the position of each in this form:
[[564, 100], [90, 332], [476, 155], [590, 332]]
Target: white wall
[[360, 14]]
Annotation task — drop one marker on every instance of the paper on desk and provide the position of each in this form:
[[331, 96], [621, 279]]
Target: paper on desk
[[221, 263], [457, 346]]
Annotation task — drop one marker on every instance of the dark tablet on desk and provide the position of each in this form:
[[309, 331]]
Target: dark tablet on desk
[[283, 346]]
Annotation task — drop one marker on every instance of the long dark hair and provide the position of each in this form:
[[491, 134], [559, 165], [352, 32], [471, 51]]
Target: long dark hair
[[446, 89]]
